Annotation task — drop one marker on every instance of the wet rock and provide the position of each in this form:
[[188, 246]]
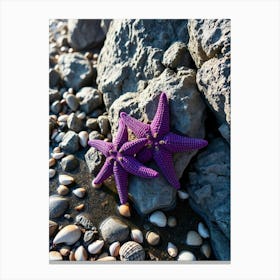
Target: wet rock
[[90, 99], [74, 123], [57, 206], [72, 102], [113, 229], [94, 160], [70, 142], [69, 163], [54, 78], [75, 70]]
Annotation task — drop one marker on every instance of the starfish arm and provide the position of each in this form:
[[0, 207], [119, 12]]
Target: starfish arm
[[133, 166], [102, 146], [160, 123], [164, 161], [122, 135], [105, 172], [121, 178], [141, 130], [177, 143], [133, 147], [145, 155]]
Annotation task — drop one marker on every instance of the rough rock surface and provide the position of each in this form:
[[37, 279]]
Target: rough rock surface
[[70, 142], [209, 192], [133, 53], [75, 70], [86, 33], [187, 117], [208, 38], [94, 160]]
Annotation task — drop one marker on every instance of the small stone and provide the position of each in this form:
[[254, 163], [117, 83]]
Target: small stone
[[206, 250], [96, 247], [94, 160], [103, 123], [52, 162], [91, 99], [69, 163], [57, 206], [72, 102], [83, 136], [79, 192], [58, 155], [53, 226], [203, 231], [137, 235], [81, 254], [114, 249], [81, 115], [52, 173], [56, 107], [65, 251], [158, 218], [69, 235], [59, 137], [65, 179], [95, 135], [171, 221], [106, 259], [124, 210], [186, 256], [56, 150], [172, 250], [80, 207], [74, 123], [70, 142], [55, 256], [67, 216], [92, 123], [62, 190], [183, 195], [152, 238], [62, 118], [193, 238], [89, 236]]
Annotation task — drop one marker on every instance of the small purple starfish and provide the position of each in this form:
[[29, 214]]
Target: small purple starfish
[[120, 160], [161, 142]]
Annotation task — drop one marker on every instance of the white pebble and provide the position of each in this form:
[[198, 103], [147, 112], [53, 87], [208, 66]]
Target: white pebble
[[55, 256], [172, 250], [206, 250], [57, 155], [193, 238], [186, 256], [183, 195], [152, 238], [65, 179], [83, 138], [106, 259], [81, 254], [59, 137], [203, 230], [96, 246], [158, 218], [137, 235], [51, 172], [81, 115], [114, 249], [79, 192], [62, 118], [68, 235]]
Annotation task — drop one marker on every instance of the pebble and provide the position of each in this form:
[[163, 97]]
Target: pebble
[[53, 226], [115, 248], [58, 155], [52, 173], [65, 251], [89, 236], [186, 256], [62, 190], [132, 251], [152, 238], [113, 229], [74, 123], [52, 162], [56, 107], [183, 195], [56, 150], [172, 250], [158, 218], [69, 163], [108, 258], [69, 235], [81, 254], [203, 230], [65, 179], [95, 135], [62, 118], [72, 256], [55, 256], [171, 221], [59, 137], [67, 216], [70, 142], [193, 238], [92, 123], [103, 123], [137, 235], [124, 210], [72, 101], [79, 192], [57, 206], [80, 207], [54, 133], [84, 220], [95, 247], [83, 138], [206, 250], [81, 115]]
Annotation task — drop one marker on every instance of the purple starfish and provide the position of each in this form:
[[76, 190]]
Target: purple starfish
[[120, 160], [161, 142]]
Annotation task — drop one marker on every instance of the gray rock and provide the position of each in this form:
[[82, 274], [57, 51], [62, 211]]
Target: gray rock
[[208, 38], [94, 160], [113, 229], [209, 192], [69, 163], [85, 220], [95, 135], [187, 112], [75, 70], [70, 142], [56, 107], [177, 55], [53, 95], [89, 236], [90, 98], [57, 206], [86, 33], [213, 80], [104, 125], [132, 54], [54, 78], [72, 102], [92, 123], [74, 123]]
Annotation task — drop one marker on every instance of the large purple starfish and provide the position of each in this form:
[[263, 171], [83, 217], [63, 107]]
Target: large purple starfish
[[120, 160], [161, 142]]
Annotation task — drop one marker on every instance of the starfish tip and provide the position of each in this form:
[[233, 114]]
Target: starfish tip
[[124, 210], [96, 186], [123, 114]]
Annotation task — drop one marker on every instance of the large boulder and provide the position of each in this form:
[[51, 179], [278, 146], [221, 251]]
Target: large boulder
[[133, 54], [209, 191]]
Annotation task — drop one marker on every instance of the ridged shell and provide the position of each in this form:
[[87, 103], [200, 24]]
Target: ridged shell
[[81, 254], [68, 235], [132, 251], [114, 249], [96, 246], [137, 235], [158, 218]]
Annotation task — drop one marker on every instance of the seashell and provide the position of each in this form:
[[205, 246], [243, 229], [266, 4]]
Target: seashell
[[132, 251], [56, 149], [79, 192], [183, 195], [65, 251], [68, 235], [79, 207], [206, 250], [186, 256], [55, 256], [137, 235], [52, 227], [172, 250], [171, 221], [52, 173], [114, 249], [203, 230], [96, 246], [193, 238], [62, 118], [59, 137], [52, 162], [65, 179], [108, 258], [158, 218], [124, 210], [62, 190], [152, 238], [81, 254], [58, 155], [83, 138]]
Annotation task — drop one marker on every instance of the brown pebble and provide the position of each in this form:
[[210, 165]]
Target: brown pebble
[[124, 210], [65, 251], [80, 207], [52, 162], [72, 255]]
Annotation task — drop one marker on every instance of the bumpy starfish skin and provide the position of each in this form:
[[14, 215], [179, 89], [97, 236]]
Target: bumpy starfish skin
[[161, 142], [120, 160]]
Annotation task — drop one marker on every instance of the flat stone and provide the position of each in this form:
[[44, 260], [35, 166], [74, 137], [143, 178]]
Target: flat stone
[[69, 163], [57, 206], [70, 142], [94, 160]]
